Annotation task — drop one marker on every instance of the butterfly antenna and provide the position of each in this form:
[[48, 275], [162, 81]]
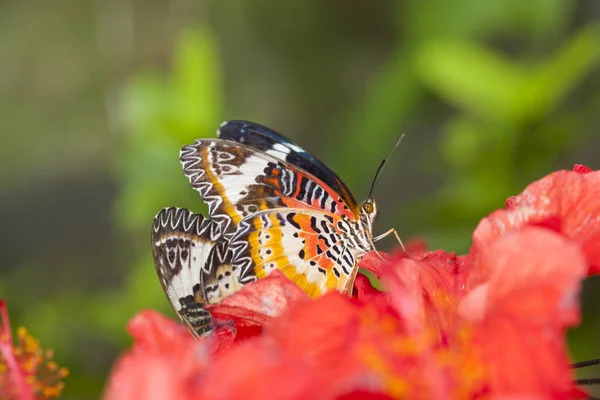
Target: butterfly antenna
[[587, 381], [588, 363], [383, 163]]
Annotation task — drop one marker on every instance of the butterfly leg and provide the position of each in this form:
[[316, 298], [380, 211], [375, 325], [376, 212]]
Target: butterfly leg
[[393, 230], [379, 237], [387, 233]]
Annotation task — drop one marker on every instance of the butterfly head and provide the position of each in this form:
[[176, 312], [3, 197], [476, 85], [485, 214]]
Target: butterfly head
[[369, 213]]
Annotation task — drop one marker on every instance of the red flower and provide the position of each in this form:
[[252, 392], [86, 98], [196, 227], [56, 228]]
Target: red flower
[[565, 201], [487, 325], [26, 371]]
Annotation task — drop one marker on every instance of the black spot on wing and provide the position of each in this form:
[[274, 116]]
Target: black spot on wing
[[280, 219], [347, 258], [303, 183], [333, 206], [290, 219], [320, 193], [311, 190], [313, 224]]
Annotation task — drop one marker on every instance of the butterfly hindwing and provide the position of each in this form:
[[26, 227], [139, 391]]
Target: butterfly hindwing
[[181, 245], [309, 247], [280, 147], [220, 278], [236, 181]]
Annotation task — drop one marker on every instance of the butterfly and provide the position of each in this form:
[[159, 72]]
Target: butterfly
[[271, 205]]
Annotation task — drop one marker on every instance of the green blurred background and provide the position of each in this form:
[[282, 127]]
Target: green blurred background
[[98, 96]]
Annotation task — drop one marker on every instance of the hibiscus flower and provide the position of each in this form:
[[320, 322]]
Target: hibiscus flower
[[489, 324], [26, 371]]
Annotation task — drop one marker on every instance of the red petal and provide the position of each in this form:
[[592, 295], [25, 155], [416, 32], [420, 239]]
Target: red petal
[[317, 330], [301, 355], [376, 261], [163, 358], [256, 370], [578, 394], [364, 290], [345, 345], [152, 331], [364, 395], [407, 294], [524, 309], [510, 202], [256, 304], [533, 275], [565, 201], [426, 293], [520, 359], [582, 169], [357, 346]]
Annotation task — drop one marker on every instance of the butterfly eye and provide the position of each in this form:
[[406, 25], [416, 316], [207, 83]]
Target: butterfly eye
[[368, 207]]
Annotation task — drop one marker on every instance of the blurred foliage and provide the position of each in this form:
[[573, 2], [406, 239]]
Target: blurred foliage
[[491, 95], [159, 114]]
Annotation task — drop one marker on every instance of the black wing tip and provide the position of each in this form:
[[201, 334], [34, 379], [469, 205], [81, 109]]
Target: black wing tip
[[234, 126], [231, 125]]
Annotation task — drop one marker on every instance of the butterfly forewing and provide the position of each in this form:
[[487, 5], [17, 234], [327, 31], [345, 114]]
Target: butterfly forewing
[[282, 148], [236, 181]]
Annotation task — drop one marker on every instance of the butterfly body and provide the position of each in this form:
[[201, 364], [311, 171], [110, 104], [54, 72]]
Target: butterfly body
[[272, 205]]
